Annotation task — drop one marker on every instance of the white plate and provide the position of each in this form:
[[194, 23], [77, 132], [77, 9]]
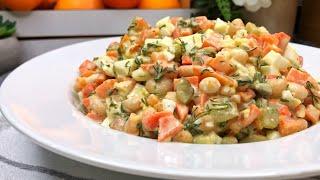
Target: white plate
[[36, 99]]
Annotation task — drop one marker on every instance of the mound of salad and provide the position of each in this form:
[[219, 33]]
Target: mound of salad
[[200, 81]]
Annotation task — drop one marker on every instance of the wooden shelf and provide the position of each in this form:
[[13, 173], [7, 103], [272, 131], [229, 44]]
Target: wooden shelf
[[49, 23]]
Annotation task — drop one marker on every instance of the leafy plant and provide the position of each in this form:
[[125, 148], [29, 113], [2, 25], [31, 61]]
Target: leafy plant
[[224, 9], [7, 28]]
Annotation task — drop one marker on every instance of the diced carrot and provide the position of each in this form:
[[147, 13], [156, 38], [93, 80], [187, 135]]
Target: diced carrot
[[253, 115], [271, 47], [283, 39], [88, 89], [220, 65], [87, 68], [190, 70], [287, 125], [169, 126], [182, 111], [113, 53], [141, 24], [147, 67], [312, 114], [86, 102], [185, 31], [206, 25], [176, 33], [80, 83], [100, 79], [213, 41], [297, 76], [193, 80], [95, 116], [103, 89], [247, 95], [284, 110], [150, 121], [186, 60], [174, 20], [223, 79]]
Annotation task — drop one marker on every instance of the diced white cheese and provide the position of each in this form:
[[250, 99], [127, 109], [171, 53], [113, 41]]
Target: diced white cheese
[[168, 105], [276, 60], [166, 43], [124, 67], [291, 54], [165, 26], [192, 41], [221, 26], [228, 42], [242, 33], [169, 56], [106, 64]]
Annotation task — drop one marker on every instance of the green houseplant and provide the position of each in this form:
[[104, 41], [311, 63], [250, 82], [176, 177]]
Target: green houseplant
[[9, 45]]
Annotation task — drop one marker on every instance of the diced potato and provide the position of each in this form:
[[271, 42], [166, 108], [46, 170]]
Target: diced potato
[[221, 26], [124, 87], [140, 75], [138, 91], [211, 138], [168, 105]]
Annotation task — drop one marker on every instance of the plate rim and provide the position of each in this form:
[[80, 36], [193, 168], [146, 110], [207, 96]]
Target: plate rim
[[150, 172]]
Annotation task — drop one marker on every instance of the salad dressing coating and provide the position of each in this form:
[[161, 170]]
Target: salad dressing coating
[[200, 81]]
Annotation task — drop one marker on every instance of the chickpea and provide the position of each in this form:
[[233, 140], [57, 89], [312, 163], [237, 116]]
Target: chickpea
[[183, 136], [132, 124], [132, 104], [97, 105], [209, 85], [277, 86], [207, 124], [240, 55], [160, 88]]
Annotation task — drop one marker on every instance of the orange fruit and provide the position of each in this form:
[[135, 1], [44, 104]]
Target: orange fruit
[[159, 4], [48, 4], [21, 5], [78, 4], [121, 4]]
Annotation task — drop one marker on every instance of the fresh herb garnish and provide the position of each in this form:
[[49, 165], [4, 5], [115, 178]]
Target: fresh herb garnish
[[191, 125], [315, 98]]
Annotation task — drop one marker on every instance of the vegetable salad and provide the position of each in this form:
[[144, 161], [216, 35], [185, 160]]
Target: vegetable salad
[[200, 81]]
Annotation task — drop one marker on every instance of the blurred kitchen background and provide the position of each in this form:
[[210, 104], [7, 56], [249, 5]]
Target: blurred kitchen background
[[37, 26]]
